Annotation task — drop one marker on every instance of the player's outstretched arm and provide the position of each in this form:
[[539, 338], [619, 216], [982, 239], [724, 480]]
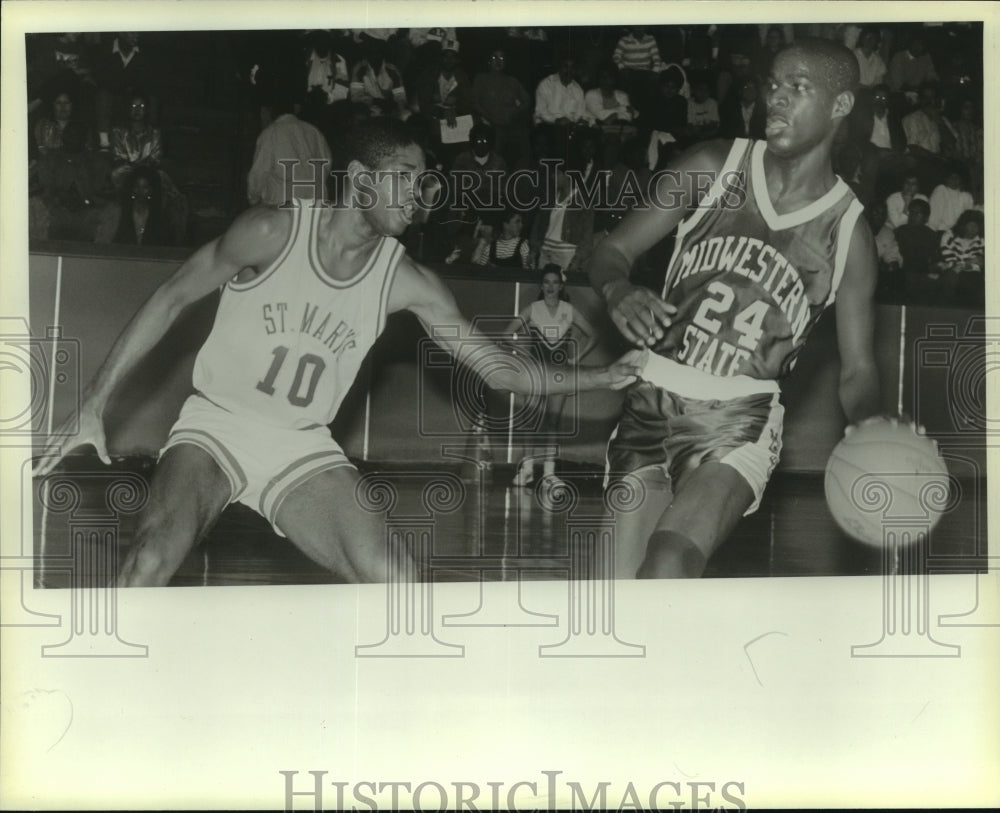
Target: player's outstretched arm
[[422, 292], [855, 308], [637, 312], [253, 241]]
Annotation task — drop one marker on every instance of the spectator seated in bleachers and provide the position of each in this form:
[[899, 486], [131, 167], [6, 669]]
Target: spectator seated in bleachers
[[967, 146], [476, 183], [119, 68], [918, 248], [744, 114], [702, 112], [949, 200], [509, 247], [910, 69], [139, 144], [73, 202], [870, 62], [377, 84], [610, 107], [325, 69], [928, 137], [135, 143], [445, 95], [559, 108], [482, 161], [49, 129], [898, 203], [502, 101], [141, 217], [876, 131], [963, 259]]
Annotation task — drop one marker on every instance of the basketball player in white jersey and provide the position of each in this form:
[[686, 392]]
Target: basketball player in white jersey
[[306, 291], [758, 256]]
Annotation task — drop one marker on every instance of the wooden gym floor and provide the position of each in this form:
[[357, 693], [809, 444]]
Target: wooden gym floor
[[481, 527]]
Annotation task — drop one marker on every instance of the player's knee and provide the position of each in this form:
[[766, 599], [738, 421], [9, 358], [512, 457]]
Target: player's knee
[[670, 555]]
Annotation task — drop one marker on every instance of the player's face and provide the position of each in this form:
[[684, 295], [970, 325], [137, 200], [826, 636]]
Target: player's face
[[394, 190], [800, 107]]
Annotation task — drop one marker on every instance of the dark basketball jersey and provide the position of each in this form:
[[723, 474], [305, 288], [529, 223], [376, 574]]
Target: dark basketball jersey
[[748, 283]]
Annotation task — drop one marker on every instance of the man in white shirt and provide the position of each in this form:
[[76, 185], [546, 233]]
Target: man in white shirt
[[898, 203], [872, 66], [559, 98], [559, 106], [286, 138]]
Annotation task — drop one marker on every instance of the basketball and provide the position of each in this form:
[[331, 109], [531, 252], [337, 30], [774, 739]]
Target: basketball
[[884, 477]]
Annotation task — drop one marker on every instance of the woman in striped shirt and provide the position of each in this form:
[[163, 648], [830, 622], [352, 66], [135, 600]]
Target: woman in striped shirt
[[963, 253], [509, 249]]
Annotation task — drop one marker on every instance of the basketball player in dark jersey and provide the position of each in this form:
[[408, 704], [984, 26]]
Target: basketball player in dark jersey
[[306, 290], [760, 252]]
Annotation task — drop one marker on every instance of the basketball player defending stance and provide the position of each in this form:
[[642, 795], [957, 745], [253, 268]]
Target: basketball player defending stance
[[758, 257], [306, 291]]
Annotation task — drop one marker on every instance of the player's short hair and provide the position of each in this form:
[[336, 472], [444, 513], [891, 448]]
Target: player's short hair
[[374, 140], [840, 70], [920, 205]]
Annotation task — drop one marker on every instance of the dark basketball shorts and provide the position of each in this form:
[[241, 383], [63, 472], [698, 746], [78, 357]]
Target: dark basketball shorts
[[662, 430]]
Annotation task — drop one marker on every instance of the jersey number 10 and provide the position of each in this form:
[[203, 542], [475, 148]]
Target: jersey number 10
[[310, 367]]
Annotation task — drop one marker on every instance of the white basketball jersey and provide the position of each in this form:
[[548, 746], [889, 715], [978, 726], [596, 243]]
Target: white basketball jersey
[[287, 345]]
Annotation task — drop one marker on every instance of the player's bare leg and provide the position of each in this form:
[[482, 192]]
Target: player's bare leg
[[708, 504], [634, 527], [188, 491], [323, 518]]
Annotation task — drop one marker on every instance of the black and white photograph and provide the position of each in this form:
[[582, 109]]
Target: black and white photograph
[[562, 405]]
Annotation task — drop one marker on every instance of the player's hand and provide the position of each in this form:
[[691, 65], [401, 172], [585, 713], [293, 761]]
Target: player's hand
[[626, 370], [91, 430], [637, 312], [884, 418]]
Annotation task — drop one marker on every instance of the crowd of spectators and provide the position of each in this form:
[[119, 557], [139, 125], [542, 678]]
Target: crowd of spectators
[[616, 103]]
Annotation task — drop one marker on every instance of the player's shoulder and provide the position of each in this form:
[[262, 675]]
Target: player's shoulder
[[259, 233], [264, 221]]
